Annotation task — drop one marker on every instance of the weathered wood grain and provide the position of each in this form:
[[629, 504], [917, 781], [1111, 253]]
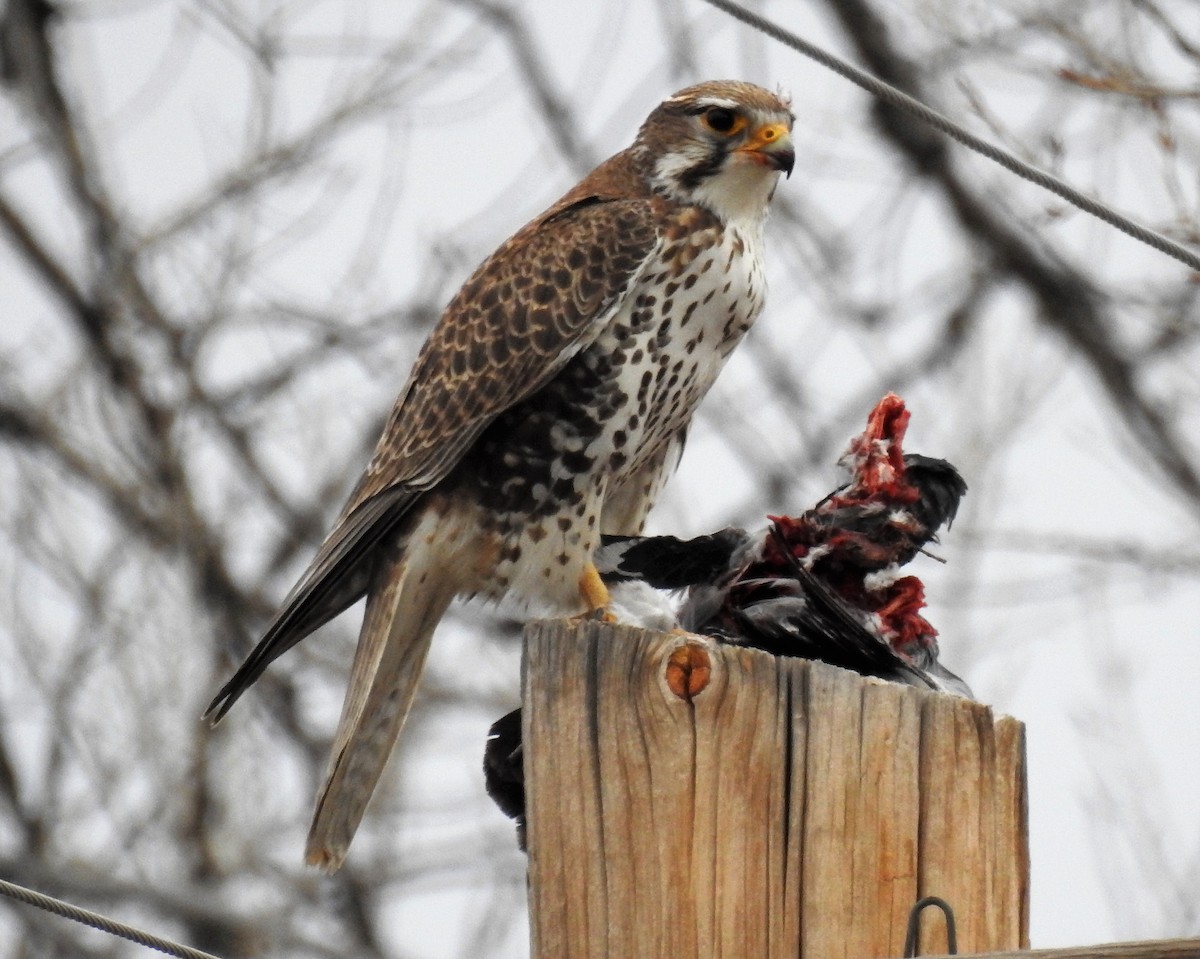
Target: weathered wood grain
[[1158, 949], [783, 810]]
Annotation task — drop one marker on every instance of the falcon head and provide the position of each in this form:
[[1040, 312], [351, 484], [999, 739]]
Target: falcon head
[[720, 145]]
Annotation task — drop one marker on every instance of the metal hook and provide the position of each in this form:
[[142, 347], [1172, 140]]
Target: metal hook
[[914, 923]]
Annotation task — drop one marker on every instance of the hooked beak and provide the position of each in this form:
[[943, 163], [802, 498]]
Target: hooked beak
[[771, 145]]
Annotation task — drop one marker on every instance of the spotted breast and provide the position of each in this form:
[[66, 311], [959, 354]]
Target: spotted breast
[[591, 451]]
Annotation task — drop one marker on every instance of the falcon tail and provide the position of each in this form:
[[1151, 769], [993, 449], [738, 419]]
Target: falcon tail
[[405, 603], [337, 577]]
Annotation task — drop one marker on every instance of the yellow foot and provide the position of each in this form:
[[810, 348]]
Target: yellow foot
[[595, 595]]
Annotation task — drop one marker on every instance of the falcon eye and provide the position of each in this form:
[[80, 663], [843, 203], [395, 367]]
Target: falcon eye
[[722, 120]]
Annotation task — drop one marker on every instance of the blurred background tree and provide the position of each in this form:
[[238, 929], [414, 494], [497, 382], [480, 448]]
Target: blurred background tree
[[225, 229]]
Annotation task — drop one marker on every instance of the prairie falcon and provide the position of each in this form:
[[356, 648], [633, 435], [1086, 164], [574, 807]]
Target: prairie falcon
[[548, 405]]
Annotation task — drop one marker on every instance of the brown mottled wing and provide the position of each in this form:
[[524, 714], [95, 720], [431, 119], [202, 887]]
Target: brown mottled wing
[[539, 299]]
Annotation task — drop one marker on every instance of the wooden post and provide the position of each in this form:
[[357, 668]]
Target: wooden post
[[1156, 949], [693, 801]]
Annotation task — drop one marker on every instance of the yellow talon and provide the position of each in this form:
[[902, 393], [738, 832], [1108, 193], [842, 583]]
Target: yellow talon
[[593, 591]]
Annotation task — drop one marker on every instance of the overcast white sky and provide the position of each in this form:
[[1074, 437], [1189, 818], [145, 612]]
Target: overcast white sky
[[1099, 660]]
